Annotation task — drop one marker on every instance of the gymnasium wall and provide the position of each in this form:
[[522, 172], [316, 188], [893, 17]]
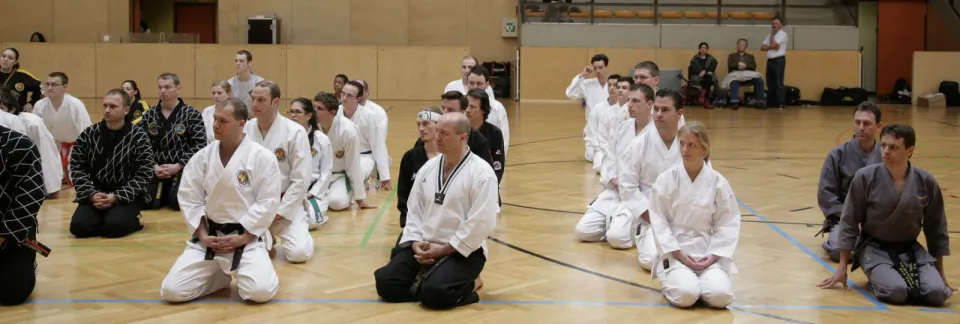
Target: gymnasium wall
[[545, 72], [301, 70], [900, 33], [931, 68], [78, 21], [943, 27]]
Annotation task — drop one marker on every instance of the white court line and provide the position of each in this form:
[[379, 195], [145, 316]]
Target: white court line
[[525, 285]]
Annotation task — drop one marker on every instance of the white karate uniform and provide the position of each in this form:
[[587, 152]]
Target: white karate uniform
[[66, 122], [457, 85], [373, 142], [49, 150], [468, 213], [346, 175], [647, 157], [290, 146], [321, 165], [593, 92], [599, 222], [13, 122], [498, 117], [207, 115], [608, 133], [379, 112], [700, 217], [597, 113], [245, 191]]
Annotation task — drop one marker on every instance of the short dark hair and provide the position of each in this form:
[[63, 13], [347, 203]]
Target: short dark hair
[[170, 76], [342, 76], [481, 71], [357, 85], [484, 101], [600, 57], [247, 54], [649, 66], [646, 90], [900, 131], [614, 76], [240, 111], [9, 99], [127, 101], [777, 17], [273, 86], [626, 79], [744, 40], [870, 108], [674, 95], [455, 95], [328, 100], [702, 44], [63, 76]]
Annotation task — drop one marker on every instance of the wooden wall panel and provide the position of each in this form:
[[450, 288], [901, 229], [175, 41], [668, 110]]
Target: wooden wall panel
[[118, 22], [251, 8], [545, 72], [484, 18], [437, 22], [931, 68], [78, 61], [320, 22], [622, 60], [417, 73], [811, 71], [311, 68], [378, 22], [144, 63], [23, 18], [80, 21], [216, 62], [228, 22]]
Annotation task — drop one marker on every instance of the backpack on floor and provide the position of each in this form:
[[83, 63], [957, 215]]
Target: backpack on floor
[[843, 96], [951, 90], [793, 95], [499, 78]]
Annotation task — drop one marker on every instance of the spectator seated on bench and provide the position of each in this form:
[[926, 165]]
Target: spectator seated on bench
[[702, 72], [742, 70]]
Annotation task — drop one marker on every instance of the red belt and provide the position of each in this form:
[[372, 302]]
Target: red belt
[[65, 149]]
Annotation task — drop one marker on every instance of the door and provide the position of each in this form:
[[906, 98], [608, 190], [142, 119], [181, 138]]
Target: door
[[868, 42], [196, 18]]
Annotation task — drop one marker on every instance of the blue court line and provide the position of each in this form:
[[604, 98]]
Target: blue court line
[[482, 302], [864, 293], [936, 310]]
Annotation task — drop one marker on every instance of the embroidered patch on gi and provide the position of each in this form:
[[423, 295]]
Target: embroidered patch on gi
[[137, 114], [153, 128], [922, 198], [18, 86], [281, 154], [180, 129], [498, 153], [497, 166], [313, 152], [243, 178], [340, 154]]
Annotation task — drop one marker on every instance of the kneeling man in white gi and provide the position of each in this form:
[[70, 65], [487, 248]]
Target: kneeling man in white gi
[[452, 208], [696, 223], [229, 194]]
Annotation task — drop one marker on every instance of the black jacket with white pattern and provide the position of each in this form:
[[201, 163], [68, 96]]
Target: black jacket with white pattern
[[21, 185], [175, 139], [122, 167]]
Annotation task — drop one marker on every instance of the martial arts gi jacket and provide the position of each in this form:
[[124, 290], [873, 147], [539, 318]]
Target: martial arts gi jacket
[[177, 138], [592, 91], [321, 165], [457, 85], [137, 108], [373, 138], [12, 122], [410, 165], [207, 116], [600, 139], [461, 212], [495, 138], [647, 157], [700, 216], [112, 161], [21, 187], [498, 117], [345, 144], [21, 82], [246, 191], [478, 144], [291, 148], [841, 164], [66, 122], [49, 150], [617, 148]]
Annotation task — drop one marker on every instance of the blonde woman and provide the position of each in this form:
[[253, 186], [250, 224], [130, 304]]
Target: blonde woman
[[696, 224], [220, 91]]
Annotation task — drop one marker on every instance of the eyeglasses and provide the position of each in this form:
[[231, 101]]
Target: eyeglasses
[[295, 112]]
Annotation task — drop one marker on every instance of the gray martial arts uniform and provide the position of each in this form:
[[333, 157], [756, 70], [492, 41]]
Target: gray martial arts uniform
[[838, 170], [898, 268]]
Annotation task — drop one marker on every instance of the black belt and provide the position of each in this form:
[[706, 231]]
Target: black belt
[[212, 229], [909, 270], [367, 152]]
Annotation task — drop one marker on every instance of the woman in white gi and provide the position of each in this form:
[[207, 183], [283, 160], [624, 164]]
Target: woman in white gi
[[696, 223], [36, 130], [321, 153], [221, 91]]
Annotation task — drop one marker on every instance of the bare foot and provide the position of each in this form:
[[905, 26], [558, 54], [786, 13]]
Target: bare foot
[[477, 284]]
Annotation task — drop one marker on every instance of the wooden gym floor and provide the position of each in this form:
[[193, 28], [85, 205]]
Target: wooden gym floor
[[538, 272]]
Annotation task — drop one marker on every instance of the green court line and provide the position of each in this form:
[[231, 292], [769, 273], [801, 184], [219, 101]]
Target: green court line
[[183, 245], [383, 209]]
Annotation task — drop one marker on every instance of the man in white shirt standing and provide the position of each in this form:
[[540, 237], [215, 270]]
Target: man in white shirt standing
[[242, 83], [63, 114], [593, 91], [466, 65], [776, 46]]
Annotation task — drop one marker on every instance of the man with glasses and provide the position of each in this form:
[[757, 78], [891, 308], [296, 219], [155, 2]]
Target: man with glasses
[[64, 115]]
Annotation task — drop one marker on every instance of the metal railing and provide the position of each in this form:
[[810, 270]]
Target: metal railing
[[657, 12], [150, 38]]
